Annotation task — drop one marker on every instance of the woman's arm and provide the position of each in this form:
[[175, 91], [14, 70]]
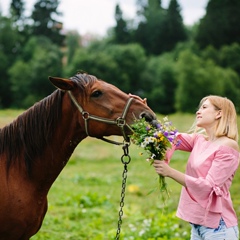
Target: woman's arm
[[165, 170]]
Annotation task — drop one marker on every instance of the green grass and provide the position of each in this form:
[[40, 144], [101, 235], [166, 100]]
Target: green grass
[[84, 200]]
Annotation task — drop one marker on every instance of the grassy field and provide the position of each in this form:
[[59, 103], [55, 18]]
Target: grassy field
[[84, 200]]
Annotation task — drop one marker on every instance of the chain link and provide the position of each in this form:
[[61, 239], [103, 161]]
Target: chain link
[[125, 160]]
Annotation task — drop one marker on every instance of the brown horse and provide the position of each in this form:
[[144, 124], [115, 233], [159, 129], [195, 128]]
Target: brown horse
[[37, 145]]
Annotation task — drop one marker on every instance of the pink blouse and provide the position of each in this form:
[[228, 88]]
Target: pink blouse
[[209, 174]]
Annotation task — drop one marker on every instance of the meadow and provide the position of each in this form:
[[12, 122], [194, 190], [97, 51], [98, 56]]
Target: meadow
[[84, 200]]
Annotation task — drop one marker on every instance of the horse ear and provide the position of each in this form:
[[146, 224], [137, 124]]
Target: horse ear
[[62, 83]]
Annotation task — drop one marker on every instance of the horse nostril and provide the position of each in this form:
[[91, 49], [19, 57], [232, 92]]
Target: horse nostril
[[148, 117]]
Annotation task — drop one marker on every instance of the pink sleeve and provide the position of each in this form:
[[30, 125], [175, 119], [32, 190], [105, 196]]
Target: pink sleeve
[[209, 190], [169, 154], [184, 142]]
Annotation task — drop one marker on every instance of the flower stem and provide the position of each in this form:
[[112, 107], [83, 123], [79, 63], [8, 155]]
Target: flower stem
[[163, 188]]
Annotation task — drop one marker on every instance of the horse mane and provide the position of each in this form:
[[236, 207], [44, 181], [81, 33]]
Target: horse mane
[[84, 78], [31, 132]]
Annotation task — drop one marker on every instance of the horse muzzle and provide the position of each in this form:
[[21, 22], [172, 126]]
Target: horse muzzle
[[149, 117]]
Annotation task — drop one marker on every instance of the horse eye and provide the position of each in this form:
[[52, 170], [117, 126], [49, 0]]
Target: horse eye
[[96, 94]]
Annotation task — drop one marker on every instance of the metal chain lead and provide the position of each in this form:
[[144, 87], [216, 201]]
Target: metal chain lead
[[125, 160]]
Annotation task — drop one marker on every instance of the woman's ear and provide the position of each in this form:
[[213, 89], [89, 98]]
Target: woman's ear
[[219, 114]]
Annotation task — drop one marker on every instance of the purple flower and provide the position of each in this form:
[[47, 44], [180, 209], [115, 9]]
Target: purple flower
[[170, 138], [165, 134], [178, 143]]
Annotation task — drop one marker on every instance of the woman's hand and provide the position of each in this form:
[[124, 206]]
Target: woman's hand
[[162, 168], [138, 98]]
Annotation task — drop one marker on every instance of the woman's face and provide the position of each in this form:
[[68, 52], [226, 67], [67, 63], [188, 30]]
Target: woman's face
[[207, 115]]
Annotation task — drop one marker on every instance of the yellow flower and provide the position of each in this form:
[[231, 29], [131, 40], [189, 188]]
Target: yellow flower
[[133, 188]]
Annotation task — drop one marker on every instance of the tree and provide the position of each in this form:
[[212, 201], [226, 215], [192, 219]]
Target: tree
[[9, 48], [192, 81], [173, 28], [20, 79], [121, 31], [160, 29], [227, 56], [120, 65], [220, 25], [97, 63], [198, 77], [131, 61], [72, 43], [28, 76], [17, 12], [159, 83], [9, 38], [149, 32], [45, 21], [5, 96]]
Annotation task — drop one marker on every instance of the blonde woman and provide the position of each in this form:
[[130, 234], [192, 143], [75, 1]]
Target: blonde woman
[[205, 200]]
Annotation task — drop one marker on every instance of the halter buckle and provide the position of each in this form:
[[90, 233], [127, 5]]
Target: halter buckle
[[120, 122], [85, 115]]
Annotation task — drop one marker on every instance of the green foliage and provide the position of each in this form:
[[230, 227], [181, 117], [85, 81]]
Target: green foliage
[[10, 38], [149, 33], [162, 227], [159, 83], [173, 27], [229, 57], [17, 9], [200, 78], [20, 74], [220, 24], [161, 29], [72, 43], [130, 60], [28, 79], [97, 63], [45, 21], [4, 86], [10, 42], [120, 65], [122, 34], [172, 82]]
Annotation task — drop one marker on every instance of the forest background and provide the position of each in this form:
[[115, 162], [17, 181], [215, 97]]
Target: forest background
[[154, 55]]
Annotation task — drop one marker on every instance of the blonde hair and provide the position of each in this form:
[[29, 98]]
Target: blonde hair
[[227, 124]]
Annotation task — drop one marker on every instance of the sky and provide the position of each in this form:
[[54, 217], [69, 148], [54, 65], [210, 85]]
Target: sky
[[97, 16]]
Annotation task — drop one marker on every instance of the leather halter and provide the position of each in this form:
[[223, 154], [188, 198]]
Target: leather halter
[[120, 121]]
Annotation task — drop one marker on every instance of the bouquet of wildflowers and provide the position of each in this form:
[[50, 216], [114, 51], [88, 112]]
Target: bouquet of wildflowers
[[155, 139]]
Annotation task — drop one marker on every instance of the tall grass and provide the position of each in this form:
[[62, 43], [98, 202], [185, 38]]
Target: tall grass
[[84, 200]]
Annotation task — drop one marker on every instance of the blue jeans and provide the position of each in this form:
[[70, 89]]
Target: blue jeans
[[200, 232]]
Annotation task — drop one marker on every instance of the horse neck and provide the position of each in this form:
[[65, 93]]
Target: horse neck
[[67, 136]]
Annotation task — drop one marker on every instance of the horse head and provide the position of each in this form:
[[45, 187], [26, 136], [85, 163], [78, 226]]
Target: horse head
[[98, 101]]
